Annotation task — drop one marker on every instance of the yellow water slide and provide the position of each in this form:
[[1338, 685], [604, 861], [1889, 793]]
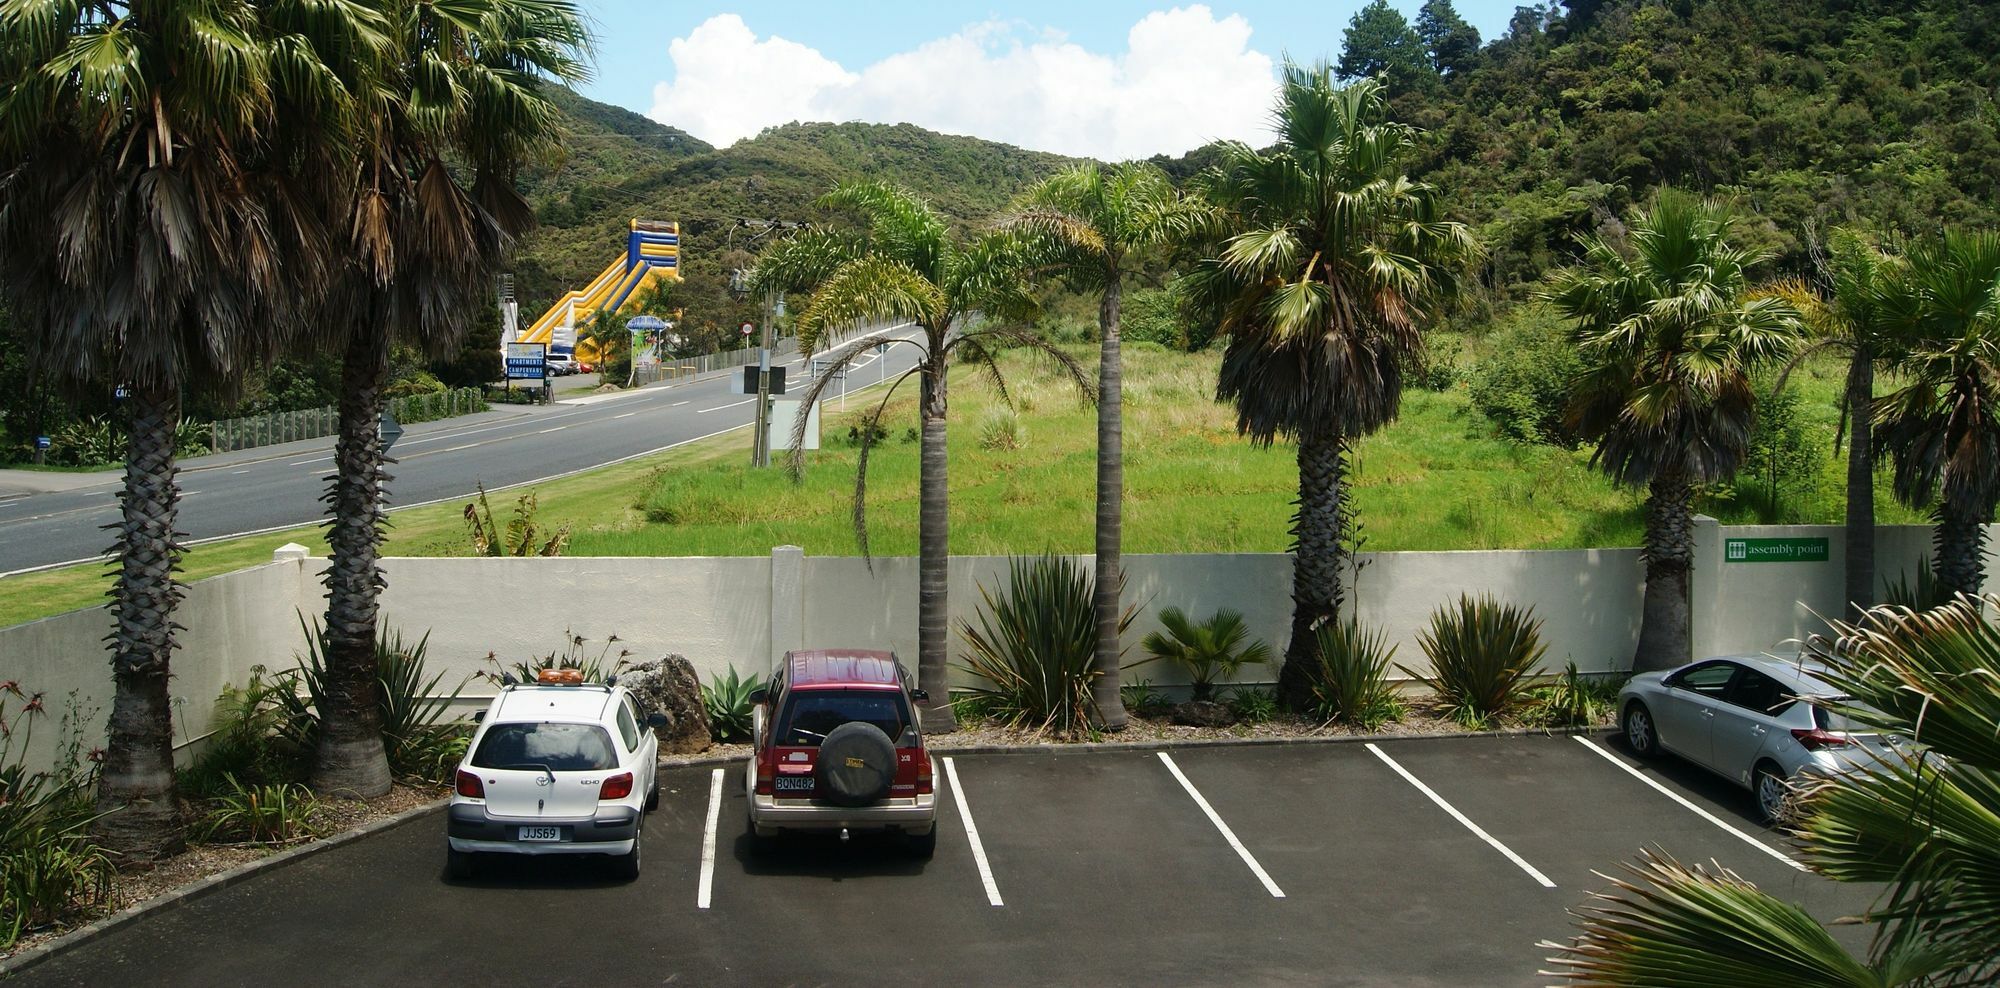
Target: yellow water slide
[[652, 253]]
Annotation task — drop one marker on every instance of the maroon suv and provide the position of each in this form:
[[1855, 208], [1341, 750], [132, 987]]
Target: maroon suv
[[838, 749]]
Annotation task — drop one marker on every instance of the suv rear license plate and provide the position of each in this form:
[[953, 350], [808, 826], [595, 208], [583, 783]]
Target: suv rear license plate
[[794, 783], [541, 833]]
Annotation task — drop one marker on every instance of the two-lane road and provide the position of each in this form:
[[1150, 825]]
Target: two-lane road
[[279, 487]]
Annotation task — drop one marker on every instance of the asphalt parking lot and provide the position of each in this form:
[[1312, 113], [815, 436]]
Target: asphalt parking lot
[[1407, 862]]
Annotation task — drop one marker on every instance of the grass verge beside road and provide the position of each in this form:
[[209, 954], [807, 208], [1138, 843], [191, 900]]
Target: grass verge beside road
[[1437, 479]]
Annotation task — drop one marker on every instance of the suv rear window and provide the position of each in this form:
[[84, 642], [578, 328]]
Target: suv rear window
[[556, 747], [815, 713]]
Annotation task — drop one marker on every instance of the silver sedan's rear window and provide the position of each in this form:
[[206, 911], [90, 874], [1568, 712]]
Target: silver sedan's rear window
[[555, 747]]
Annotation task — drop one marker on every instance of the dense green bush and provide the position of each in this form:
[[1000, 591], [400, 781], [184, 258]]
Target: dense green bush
[[1033, 647], [1480, 650], [1524, 382], [1206, 650], [262, 814], [1572, 700], [1154, 315], [1352, 685]]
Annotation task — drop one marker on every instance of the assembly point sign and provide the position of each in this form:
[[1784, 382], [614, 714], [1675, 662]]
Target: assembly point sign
[[1774, 550]]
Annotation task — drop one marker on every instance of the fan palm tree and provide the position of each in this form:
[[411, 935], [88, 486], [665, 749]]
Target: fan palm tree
[[1926, 825], [1848, 310], [1669, 337], [1331, 260], [1942, 430], [1096, 223], [899, 264], [158, 205], [430, 207]]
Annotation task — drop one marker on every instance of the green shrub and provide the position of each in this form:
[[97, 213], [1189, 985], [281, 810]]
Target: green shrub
[[876, 432], [417, 743], [1205, 650], [1001, 430], [49, 868], [519, 537], [730, 712], [1352, 686], [1155, 315], [87, 442], [1480, 650], [253, 737], [1572, 701], [1523, 385], [262, 814], [1141, 698], [1253, 704], [1437, 365], [1033, 647]]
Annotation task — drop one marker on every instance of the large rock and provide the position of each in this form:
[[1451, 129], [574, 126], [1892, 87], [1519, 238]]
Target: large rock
[[669, 686], [1202, 713]]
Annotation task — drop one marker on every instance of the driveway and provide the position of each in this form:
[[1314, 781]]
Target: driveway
[[1408, 862]]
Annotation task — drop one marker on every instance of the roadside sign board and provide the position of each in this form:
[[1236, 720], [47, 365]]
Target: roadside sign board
[[748, 329], [1775, 550], [747, 384], [527, 361], [820, 368], [122, 392], [41, 442], [392, 430], [783, 415]]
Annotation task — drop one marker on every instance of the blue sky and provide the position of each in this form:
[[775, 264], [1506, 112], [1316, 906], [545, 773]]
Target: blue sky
[[1056, 75]]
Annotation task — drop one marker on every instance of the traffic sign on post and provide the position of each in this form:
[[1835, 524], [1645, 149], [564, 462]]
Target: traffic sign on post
[[391, 430]]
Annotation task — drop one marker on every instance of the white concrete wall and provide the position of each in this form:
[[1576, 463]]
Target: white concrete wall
[[744, 612]]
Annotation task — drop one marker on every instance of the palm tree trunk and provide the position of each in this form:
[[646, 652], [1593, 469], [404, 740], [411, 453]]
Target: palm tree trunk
[[1664, 625], [1960, 541], [138, 817], [1861, 481], [934, 550], [351, 761], [1110, 512], [1315, 562]]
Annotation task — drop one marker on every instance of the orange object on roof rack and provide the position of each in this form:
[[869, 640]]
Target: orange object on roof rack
[[560, 677]]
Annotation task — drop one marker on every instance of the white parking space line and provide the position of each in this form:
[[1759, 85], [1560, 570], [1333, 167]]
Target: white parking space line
[[708, 842], [1696, 810], [1227, 834], [1462, 818], [972, 834]]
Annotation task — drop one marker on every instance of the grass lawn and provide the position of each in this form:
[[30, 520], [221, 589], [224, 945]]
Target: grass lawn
[[1437, 479]]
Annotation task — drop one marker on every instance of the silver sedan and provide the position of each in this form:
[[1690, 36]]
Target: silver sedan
[[1761, 722]]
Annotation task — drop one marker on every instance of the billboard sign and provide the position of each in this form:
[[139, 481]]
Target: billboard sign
[[527, 361]]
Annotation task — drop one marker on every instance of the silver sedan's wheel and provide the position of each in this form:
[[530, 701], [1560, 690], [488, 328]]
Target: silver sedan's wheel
[[1773, 796], [1639, 731]]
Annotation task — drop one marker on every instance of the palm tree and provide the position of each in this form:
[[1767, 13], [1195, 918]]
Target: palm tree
[[899, 264], [157, 229], [1848, 310], [1331, 260], [1941, 429], [1669, 337], [1926, 826], [1097, 222], [459, 99]]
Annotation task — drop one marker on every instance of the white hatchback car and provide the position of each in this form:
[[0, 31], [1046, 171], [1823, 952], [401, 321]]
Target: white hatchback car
[[555, 768]]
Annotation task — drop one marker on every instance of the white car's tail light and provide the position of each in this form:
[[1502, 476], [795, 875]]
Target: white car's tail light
[[469, 785], [616, 787], [1820, 737]]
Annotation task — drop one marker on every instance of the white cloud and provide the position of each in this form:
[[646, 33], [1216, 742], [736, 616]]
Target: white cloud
[[1185, 78]]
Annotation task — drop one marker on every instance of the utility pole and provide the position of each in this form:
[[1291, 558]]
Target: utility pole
[[762, 455]]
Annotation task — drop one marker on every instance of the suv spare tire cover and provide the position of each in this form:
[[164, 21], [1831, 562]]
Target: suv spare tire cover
[[856, 764]]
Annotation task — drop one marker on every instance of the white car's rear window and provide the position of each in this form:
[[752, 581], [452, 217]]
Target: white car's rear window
[[555, 747]]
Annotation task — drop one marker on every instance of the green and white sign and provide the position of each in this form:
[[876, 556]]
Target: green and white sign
[[1774, 550]]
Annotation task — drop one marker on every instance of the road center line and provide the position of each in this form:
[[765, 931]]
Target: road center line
[[735, 404], [627, 415], [1227, 834], [545, 432], [1461, 818], [708, 841], [972, 834], [1696, 810], [679, 403]]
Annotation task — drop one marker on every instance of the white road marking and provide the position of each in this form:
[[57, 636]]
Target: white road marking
[[679, 403], [1227, 834], [972, 834], [736, 404], [708, 841], [234, 473], [1696, 810], [627, 415], [1461, 818], [545, 432]]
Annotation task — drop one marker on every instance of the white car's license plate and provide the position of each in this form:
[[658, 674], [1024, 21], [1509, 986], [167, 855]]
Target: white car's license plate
[[794, 783], [541, 833]]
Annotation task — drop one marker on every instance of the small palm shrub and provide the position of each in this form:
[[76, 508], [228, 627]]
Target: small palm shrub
[[1253, 704], [1205, 650], [1032, 647], [1353, 685], [1480, 651], [262, 814], [49, 868], [731, 715], [1572, 700]]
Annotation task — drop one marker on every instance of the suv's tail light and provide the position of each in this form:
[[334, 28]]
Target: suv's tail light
[[616, 787], [923, 772], [1820, 737], [469, 785], [766, 773]]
